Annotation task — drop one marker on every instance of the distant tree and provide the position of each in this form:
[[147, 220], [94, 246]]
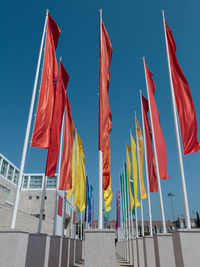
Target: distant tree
[[198, 220]]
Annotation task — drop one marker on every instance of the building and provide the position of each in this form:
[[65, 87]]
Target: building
[[30, 199]]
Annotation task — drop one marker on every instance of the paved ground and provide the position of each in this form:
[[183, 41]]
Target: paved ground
[[121, 262]]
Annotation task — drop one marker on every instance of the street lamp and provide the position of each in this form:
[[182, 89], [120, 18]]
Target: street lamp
[[172, 195]]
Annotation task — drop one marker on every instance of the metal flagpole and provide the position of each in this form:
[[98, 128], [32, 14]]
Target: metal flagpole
[[129, 219], [70, 230], [146, 167], [156, 160], [122, 209], [42, 204], [58, 179], [81, 227], [141, 206], [121, 227], [126, 230], [100, 219], [23, 158], [64, 213], [136, 222], [178, 143]]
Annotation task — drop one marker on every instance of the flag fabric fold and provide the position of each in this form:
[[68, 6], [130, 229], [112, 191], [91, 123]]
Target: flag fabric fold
[[117, 209], [105, 115], [141, 159], [67, 153], [153, 186], [44, 114], [159, 139], [128, 162], [80, 183], [134, 168], [184, 101], [59, 106]]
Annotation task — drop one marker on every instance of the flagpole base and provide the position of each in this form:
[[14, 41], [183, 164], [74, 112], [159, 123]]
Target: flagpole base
[[164, 251], [99, 248]]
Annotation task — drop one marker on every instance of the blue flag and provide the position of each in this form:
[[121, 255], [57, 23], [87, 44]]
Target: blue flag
[[90, 210]]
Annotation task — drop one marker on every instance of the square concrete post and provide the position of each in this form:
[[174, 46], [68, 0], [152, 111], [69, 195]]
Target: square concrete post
[[130, 251], [149, 251], [187, 247], [135, 255], [38, 250], [140, 251], [54, 251], [99, 248], [13, 248], [64, 254], [164, 250]]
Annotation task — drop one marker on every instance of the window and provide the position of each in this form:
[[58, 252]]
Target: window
[[25, 181], [16, 177], [10, 173], [30, 197], [51, 182], [37, 197], [4, 168], [36, 182], [6, 190]]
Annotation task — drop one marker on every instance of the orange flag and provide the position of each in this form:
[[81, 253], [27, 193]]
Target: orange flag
[[66, 165], [159, 139], [42, 127], [59, 107], [105, 115]]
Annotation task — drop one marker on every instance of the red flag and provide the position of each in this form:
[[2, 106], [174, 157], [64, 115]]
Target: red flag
[[150, 156], [184, 102], [159, 139], [106, 163], [59, 107], [60, 205], [42, 127], [105, 115], [66, 165]]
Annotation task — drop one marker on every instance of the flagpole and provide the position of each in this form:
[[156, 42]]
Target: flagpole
[[125, 208], [58, 179], [141, 205], [64, 213], [146, 167], [136, 222], [81, 227], [129, 220], [156, 160], [42, 203], [178, 143], [122, 206], [23, 158], [100, 219]]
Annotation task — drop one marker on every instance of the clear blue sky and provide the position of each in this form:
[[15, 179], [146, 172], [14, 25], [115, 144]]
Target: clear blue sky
[[136, 30]]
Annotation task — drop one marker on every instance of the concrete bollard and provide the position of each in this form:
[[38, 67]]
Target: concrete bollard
[[64, 254], [186, 247], [13, 248], [149, 251], [140, 251], [164, 250], [38, 250], [102, 243], [135, 254], [54, 251]]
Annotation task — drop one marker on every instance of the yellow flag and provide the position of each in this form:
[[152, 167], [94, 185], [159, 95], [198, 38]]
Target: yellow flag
[[80, 183], [128, 162], [108, 194], [134, 167], [71, 191], [141, 159], [107, 209]]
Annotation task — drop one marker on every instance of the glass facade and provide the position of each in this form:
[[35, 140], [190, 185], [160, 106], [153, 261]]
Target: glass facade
[[4, 167], [10, 173], [16, 177], [25, 182], [51, 182], [35, 181]]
